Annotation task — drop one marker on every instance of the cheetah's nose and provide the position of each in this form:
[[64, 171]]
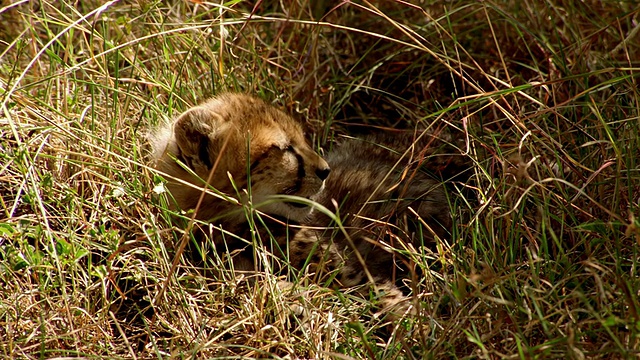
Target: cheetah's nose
[[323, 173]]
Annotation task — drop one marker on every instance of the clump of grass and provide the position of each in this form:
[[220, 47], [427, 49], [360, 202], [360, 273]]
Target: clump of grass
[[542, 258]]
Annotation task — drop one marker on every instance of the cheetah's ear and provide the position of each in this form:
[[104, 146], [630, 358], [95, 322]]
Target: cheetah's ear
[[198, 136]]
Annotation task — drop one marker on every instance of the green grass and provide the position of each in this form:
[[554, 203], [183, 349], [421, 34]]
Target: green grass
[[543, 257]]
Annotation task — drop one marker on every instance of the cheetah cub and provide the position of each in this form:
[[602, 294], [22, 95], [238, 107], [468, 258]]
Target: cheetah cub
[[247, 143], [250, 151]]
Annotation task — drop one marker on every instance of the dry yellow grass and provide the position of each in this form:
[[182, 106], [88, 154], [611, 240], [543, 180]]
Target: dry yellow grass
[[543, 257]]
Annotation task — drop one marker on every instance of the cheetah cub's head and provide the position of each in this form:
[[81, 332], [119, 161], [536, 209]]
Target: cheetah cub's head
[[264, 147]]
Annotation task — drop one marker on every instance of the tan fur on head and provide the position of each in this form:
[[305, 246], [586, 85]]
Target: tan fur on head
[[264, 146]]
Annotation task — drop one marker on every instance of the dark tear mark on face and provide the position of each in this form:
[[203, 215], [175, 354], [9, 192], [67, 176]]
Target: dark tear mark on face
[[295, 188], [203, 151], [301, 172]]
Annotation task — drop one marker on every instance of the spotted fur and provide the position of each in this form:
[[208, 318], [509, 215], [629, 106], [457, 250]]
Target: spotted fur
[[378, 185], [238, 132]]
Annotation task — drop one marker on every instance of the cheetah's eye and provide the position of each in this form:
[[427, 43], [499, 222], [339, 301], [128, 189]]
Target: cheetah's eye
[[299, 160], [276, 150], [291, 153]]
